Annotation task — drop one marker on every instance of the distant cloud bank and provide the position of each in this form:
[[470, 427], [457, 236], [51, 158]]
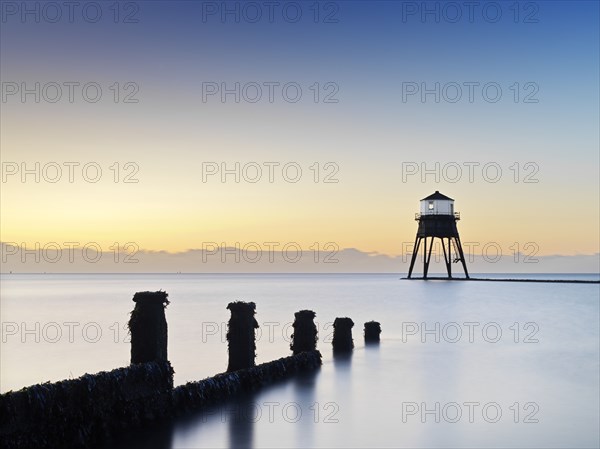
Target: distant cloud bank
[[231, 260]]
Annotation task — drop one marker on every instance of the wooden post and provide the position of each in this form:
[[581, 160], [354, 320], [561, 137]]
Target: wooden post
[[372, 332], [240, 335], [148, 327], [305, 336], [342, 335]]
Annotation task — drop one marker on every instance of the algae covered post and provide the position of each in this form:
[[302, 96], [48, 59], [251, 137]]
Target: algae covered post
[[342, 335], [148, 327], [372, 331], [241, 336], [305, 336]]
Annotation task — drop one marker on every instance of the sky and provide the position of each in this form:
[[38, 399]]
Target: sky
[[497, 107]]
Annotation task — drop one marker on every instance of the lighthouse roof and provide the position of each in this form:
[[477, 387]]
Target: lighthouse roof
[[437, 196]]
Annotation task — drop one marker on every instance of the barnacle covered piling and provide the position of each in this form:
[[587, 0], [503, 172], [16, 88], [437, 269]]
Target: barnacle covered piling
[[304, 337], [372, 332], [241, 337], [342, 335], [148, 327]]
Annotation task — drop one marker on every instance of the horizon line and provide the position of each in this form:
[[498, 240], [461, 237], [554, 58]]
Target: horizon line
[[297, 273]]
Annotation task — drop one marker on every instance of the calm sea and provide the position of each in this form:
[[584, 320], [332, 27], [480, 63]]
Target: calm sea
[[460, 364]]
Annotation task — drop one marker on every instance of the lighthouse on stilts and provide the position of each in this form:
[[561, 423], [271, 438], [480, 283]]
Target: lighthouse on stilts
[[437, 219]]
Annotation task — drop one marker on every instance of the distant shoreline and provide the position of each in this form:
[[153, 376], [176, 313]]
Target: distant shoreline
[[558, 281], [560, 278]]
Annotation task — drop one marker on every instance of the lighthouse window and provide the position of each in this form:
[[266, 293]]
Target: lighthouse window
[[430, 205]]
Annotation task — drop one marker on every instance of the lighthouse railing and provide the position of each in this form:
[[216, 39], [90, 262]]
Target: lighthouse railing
[[418, 215]]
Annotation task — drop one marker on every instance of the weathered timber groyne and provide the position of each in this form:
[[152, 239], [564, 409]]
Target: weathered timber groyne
[[94, 408], [84, 411], [194, 395]]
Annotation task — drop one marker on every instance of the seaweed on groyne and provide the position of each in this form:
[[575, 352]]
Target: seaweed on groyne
[[94, 408], [194, 395], [83, 411]]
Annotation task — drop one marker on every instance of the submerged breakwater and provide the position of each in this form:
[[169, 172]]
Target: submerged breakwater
[[83, 411], [194, 395], [94, 408]]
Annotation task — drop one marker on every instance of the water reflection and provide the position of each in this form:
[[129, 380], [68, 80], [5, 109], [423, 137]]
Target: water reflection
[[304, 387], [252, 419], [242, 415], [342, 360], [206, 426], [342, 363], [373, 355]]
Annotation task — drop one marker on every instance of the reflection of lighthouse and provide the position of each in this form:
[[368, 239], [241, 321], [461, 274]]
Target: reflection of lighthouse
[[438, 219]]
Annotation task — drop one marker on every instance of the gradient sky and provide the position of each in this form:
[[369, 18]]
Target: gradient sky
[[369, 133]]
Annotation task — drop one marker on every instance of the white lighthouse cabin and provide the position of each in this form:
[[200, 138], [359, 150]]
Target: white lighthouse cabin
[[437, 204]]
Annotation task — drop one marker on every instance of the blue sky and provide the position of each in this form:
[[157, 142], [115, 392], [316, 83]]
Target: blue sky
[[369, 133]]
